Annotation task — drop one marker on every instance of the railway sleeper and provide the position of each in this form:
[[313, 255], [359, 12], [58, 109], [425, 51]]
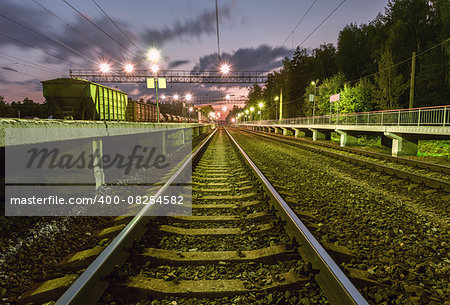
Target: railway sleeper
[[142, 286], [157, 257]]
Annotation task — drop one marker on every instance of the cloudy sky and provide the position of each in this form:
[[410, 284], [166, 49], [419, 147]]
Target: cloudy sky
[[44, 39]]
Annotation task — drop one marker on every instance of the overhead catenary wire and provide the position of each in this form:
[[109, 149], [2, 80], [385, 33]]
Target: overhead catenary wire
[[38, 66], [33, 47], [400, 63], [117, 26], [323, 21], [72, 27], [48, 38], [293, 30], [100, 29]]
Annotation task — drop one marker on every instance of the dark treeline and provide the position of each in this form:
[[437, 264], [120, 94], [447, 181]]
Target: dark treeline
[[370, 66], [22, 109]]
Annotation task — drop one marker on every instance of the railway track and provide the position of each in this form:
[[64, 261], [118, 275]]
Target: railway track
[[241, 245], [432, 175]]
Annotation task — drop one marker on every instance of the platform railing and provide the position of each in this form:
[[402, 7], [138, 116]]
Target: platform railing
[[425, 116]]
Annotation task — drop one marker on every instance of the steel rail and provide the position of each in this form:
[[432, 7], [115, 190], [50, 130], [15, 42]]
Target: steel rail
[[419, 164], [91, 284], [336, 285], [433, 183]]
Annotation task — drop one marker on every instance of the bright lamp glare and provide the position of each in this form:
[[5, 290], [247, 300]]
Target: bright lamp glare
[[225, 69], [252, 109], [163, 97], [260, 105], [153, 55], [154, 68], [224, 108], [105, 68], [188, 97], [227, 96], [129, 68], [191, 109], [232, 120], [176, 97]]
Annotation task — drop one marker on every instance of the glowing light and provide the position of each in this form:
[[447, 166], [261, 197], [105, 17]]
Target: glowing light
[[105, 68], [188, 97], [154, 68], [246, 111], [227, 96], [260, 105], [212, 114], [233, 120], [191, 109], [252, 109], [224, 108], [176, 97], [153, 55], [129, 68], [163, 97], [225, 69], [276, 98]]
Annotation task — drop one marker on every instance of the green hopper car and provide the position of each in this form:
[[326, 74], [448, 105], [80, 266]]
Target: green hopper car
[[84, 100]]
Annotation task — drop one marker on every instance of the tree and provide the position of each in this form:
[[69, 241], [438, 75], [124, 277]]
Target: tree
[[389, 85], [357, 98]]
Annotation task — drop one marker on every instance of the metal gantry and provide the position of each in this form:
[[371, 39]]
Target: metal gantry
[[172, 76], [220, 101]]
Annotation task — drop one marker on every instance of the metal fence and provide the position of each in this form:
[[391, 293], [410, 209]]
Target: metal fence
[[427, 116]]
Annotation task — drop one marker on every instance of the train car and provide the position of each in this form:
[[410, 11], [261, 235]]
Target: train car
[[84, 100], [141, 112]]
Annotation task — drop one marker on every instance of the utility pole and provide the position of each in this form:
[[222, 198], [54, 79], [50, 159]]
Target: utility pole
[[281, 104], [411, 86]]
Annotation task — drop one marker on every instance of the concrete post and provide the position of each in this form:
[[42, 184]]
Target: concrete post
[[297, 132], [278, 130], [346, 138], [99, 174], [318, 135], [401, 145], [287, 132]]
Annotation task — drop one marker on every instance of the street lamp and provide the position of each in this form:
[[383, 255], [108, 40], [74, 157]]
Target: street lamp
[[251, 112], [260, 105], [129, 68], [105, 67], [225, 69]]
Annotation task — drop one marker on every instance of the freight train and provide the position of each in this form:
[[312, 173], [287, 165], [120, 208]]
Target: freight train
[[72, 98]]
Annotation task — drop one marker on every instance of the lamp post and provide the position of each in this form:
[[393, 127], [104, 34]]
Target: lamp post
[[276, 106], [260, 105], [154, 55], [246, 114], [251, 112], [314, 83]]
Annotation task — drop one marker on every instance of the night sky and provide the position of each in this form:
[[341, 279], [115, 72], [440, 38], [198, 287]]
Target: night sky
[[184, 31]]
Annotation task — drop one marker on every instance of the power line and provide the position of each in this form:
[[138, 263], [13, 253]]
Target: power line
[[71, 26], [399, 63], [32, 63], [115, 24], [100, 29], [48, 38], [296, 26], [322, 22], [30, 46]]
